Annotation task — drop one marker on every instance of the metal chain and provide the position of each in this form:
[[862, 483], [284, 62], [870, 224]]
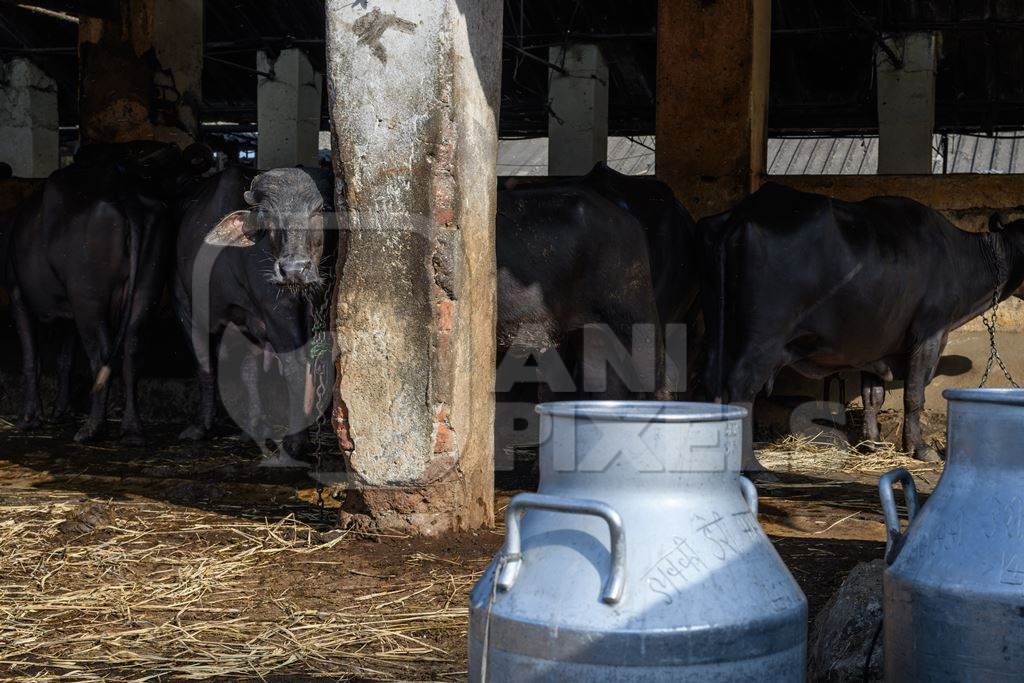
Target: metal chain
[[990, 322], [320, 345]]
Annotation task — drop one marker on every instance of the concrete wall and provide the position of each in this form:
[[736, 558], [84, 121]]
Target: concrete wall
[[29, 137], [906, 101], [414, 104], [578, 121], [288, 109]]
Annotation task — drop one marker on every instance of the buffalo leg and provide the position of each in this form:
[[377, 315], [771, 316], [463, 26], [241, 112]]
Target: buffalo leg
[[601, 349], [65, 368], [752, 370], [923, 361], [627, 353], [131, 425], [97, 343], [29, 362], [207, 408], [296, 371], [251, 370], [300, 395], [872, 393], [288, 338]]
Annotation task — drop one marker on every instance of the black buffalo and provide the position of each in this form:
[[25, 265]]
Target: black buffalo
[[250, 254], [92, 249], [669, 232], [822, 286], [565, 214], [574, 278]]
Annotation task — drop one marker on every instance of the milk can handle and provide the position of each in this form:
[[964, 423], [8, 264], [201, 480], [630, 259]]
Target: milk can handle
[[749, 493], [892, 515], [511, 558]]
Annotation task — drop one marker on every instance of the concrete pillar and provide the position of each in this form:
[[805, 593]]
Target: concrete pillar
[[288, 110], [29, 138], [414, 106], [713, 69], [141, 74], [906, 102], [578, 121]]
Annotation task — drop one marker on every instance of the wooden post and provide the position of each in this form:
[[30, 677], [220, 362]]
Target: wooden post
[[713, 70]]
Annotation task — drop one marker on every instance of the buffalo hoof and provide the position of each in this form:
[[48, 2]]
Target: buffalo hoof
[[30, 423], [282, 460], [133, 439], [193, 433], [927, 454], [87, 433]]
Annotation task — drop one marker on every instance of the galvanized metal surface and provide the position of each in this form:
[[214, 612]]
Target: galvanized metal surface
[[639, 559], [954, 590]]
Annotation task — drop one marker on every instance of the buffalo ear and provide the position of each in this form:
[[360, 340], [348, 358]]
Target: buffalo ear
[[232, 231]]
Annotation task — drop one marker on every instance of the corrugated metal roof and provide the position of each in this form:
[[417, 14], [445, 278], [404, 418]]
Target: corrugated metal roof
[[530, 156], [982, 154], [822, 156], [1003, 153]]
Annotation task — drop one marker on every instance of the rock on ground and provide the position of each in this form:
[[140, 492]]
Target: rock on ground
[[846, 637]]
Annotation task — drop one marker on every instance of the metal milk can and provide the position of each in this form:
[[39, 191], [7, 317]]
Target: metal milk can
[[954, 588], [639, 559]]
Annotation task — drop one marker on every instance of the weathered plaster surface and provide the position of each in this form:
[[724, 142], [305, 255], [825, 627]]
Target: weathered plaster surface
[[413, 91], [288, 108]]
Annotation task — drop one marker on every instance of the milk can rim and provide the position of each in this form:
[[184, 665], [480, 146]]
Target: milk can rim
[[1005, 396], [644, 411]]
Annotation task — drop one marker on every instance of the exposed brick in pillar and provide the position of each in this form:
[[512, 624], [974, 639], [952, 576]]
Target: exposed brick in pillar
[[413, 90]]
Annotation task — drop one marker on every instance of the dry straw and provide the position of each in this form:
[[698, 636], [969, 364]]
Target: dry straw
[[101, 590], [812, 454], [139, 590]]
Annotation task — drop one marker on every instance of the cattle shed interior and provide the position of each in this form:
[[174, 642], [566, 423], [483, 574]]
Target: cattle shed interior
[[419, 110]]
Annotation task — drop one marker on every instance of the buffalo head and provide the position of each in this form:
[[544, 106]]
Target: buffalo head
[[1011, 230], [286, 212]]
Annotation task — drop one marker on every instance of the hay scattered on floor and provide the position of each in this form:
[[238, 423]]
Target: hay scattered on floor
[[809, 454], [136, 590]]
